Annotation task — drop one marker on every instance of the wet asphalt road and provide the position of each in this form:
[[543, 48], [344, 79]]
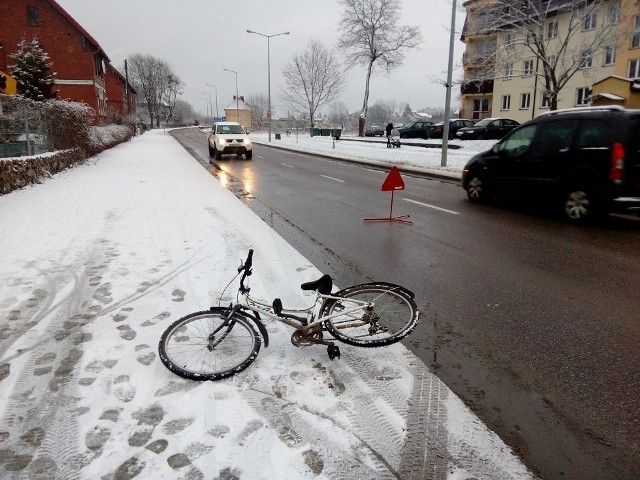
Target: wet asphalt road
[[534, 323]]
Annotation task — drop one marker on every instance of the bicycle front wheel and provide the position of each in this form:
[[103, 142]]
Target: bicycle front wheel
[[392, 316], [208, 346]]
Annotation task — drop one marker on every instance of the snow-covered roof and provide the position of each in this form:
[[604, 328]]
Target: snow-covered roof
[[609, 96], [240, 106]]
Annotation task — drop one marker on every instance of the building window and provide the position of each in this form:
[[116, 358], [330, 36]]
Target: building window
[[582, 96], [508, 70], [634, 68], [527, 68], [525, 101], [552, 29], [506, 102], [586, 60], [610, 55], [545, 102], [32, 16], [480, 108], [635, 39], [614, 14], [509, 39], [590, 21]]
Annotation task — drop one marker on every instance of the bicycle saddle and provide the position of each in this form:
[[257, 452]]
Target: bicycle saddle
[[324, 285]]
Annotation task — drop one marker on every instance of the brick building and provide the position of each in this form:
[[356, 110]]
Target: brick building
[[83, 69]]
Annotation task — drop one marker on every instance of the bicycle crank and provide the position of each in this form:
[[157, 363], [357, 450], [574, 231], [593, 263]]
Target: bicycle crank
[[301, 339]]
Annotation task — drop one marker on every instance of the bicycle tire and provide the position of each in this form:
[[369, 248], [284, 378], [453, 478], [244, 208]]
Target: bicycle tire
[[394, 310], [186, 350]]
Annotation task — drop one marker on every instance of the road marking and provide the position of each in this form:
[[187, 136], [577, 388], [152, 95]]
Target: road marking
[[287, 165], [332, 178], [452, 212]]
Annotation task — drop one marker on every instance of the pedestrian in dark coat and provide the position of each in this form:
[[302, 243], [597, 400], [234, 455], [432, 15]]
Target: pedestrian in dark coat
[[389, 128]]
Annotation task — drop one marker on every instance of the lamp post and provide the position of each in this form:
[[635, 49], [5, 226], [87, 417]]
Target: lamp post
[[214, 86], [209, 93], [237, 108], [268, 37], [447, 101]]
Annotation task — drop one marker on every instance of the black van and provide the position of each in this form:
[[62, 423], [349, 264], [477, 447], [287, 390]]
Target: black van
[[587, 160]]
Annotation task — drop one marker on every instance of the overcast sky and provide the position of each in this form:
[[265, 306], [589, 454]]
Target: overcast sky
[[199, 38]]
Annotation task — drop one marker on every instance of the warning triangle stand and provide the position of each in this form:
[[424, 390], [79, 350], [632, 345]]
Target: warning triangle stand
[[392, 183]]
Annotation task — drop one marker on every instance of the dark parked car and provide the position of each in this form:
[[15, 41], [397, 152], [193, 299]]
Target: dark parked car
[[586, 160], [419, 129], [373, 130], [487, 129], [455, 124]]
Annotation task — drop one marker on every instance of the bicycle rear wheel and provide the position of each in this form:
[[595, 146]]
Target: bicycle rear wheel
[[394, 315], [208, 346]]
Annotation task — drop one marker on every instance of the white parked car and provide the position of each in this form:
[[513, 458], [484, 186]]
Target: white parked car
[[229, 137]]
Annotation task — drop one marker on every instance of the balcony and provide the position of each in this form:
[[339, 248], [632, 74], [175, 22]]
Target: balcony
[[476, 87]]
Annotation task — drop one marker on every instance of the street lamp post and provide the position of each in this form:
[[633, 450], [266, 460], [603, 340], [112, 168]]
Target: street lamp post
[[447, 101], [237, 107], [268, 37], [214, 86], [209, 93]]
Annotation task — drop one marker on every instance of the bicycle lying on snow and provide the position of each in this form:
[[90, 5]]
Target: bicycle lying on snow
[[222, 341]]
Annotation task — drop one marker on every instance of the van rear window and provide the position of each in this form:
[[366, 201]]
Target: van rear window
[[593, 134]]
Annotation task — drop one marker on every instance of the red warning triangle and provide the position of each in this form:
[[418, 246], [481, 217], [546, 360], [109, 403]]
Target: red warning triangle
[[393, 181]]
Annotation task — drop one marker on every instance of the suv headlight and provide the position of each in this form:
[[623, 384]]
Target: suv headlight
[[222, 141], [246, 141]]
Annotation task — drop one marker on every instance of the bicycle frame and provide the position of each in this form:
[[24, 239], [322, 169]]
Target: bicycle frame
[[262, 307]]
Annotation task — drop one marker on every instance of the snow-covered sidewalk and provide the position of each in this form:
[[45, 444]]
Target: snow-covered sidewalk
[[96, 263], [372, 150]]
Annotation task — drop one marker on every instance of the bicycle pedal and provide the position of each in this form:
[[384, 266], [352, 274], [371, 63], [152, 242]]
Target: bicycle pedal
[[277, 307], [333, 351]]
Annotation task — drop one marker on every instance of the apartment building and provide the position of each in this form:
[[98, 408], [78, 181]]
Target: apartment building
[[596, 44]]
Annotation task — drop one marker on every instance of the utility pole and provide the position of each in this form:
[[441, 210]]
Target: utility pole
[[447, 102]]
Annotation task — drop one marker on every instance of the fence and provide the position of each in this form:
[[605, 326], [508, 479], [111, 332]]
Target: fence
[[24, 127]]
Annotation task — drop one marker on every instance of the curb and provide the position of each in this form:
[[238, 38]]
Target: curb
[[422, 172]]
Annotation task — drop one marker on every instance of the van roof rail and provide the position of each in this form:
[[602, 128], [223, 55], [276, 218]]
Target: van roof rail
[[603, 108]]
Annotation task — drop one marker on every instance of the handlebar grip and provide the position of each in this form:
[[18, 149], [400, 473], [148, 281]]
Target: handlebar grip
[[249, 261]]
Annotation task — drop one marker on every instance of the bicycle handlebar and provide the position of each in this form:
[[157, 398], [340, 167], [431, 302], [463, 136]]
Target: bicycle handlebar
[[246, 271], [248, 263]]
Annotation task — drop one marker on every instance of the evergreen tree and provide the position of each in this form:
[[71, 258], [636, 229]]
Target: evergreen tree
[[32, 71]]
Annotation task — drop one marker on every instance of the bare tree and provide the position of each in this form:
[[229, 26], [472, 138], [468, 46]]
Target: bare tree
[[313, 78], [550, 39], [170, 88], [372, 37], [157, 82], [259, 104]]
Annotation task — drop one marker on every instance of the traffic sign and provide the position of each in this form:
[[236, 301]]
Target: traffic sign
[[393, 181]]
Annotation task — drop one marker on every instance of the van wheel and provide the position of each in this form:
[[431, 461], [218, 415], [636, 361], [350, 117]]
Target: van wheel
[[248, 155], [476, 189], [211, 151], [217, 153], [579, 205]]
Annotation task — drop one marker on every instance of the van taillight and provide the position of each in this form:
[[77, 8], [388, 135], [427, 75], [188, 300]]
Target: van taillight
[[617, 162]]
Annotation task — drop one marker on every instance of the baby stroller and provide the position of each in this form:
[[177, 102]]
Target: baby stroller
[[393, 140]]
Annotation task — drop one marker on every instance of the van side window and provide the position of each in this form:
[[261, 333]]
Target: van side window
[[518, 142], [553, 137], [593, 134]]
